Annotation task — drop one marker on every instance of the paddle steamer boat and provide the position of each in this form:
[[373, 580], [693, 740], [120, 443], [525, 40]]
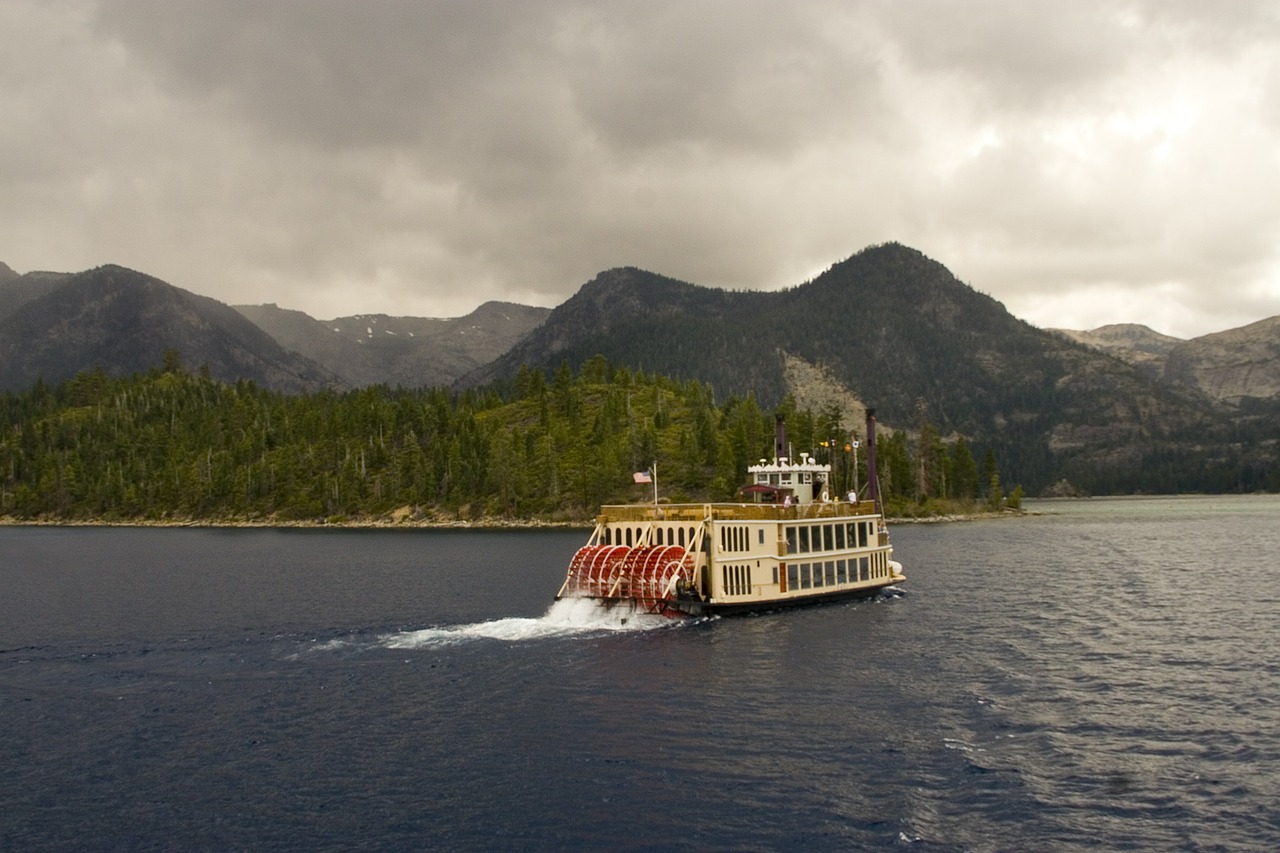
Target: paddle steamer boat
[[794, 544]]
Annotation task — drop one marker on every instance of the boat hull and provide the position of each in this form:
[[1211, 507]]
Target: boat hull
[[697, 607]]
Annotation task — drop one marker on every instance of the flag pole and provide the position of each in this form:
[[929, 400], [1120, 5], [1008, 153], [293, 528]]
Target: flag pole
[[655, 484]]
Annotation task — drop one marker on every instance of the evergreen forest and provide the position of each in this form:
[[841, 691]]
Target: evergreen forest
[[172, 446]]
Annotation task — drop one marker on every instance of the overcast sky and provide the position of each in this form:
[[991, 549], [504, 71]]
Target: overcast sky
[[1084, 162]]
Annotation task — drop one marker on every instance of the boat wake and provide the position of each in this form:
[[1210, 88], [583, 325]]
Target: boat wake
[[566, 618]]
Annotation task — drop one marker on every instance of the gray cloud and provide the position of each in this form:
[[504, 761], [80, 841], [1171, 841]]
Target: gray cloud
[[1085, 163]]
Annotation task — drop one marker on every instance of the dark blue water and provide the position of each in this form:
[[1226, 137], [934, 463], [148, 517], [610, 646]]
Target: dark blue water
[[1104, 677]]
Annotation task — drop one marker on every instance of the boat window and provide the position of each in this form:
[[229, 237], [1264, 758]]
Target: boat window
[[775, 574], [831, 572], [806, 580], [839, 536], [761, 532], [804, 540], [681, 537], [786, 479], [863, 571], [773, 479], [793, 576], [628, 537], [827, 541], [791, 540], [726, 580], [842, 570]]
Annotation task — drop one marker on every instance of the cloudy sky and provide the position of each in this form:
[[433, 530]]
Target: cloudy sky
[[1084, 162]]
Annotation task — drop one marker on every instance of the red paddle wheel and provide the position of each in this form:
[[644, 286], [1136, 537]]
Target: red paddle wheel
[[646, 575]]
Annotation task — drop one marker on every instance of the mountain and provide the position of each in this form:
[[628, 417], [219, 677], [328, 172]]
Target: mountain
[[1230, 366], [18, 290], [648, 322], [1134, 343], [412, 352], [902, 334], [123, 321]]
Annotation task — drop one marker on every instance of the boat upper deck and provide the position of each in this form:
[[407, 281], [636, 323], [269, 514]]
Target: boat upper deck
[[734, 511]]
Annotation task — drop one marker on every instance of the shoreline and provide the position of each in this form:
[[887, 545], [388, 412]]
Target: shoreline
[[417, 524], [364, 524]]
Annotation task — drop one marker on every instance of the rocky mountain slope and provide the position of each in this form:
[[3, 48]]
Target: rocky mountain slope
[[411, 352], [1139, 345], [1229, 367]]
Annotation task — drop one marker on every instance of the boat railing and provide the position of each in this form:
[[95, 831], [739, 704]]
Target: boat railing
[[733, 512]]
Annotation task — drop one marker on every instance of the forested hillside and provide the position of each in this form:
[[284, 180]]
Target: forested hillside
[[171, 446]]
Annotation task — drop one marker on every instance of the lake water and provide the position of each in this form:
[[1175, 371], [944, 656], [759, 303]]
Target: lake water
[[1103, 676]]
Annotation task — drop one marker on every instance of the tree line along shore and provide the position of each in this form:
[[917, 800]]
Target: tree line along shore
[[171, 447]]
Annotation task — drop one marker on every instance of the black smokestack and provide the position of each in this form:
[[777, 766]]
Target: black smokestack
[[873, 483], [779, 436]]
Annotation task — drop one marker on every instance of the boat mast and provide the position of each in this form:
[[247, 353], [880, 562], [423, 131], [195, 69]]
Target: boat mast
[[873, 481]]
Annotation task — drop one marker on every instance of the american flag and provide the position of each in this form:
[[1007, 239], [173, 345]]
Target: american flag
[[641, 477]]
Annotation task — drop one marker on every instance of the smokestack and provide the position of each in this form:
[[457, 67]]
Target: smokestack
[[873, 482], [779, 437]]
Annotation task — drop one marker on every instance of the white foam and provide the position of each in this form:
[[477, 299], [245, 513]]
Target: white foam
[[567, 617]]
